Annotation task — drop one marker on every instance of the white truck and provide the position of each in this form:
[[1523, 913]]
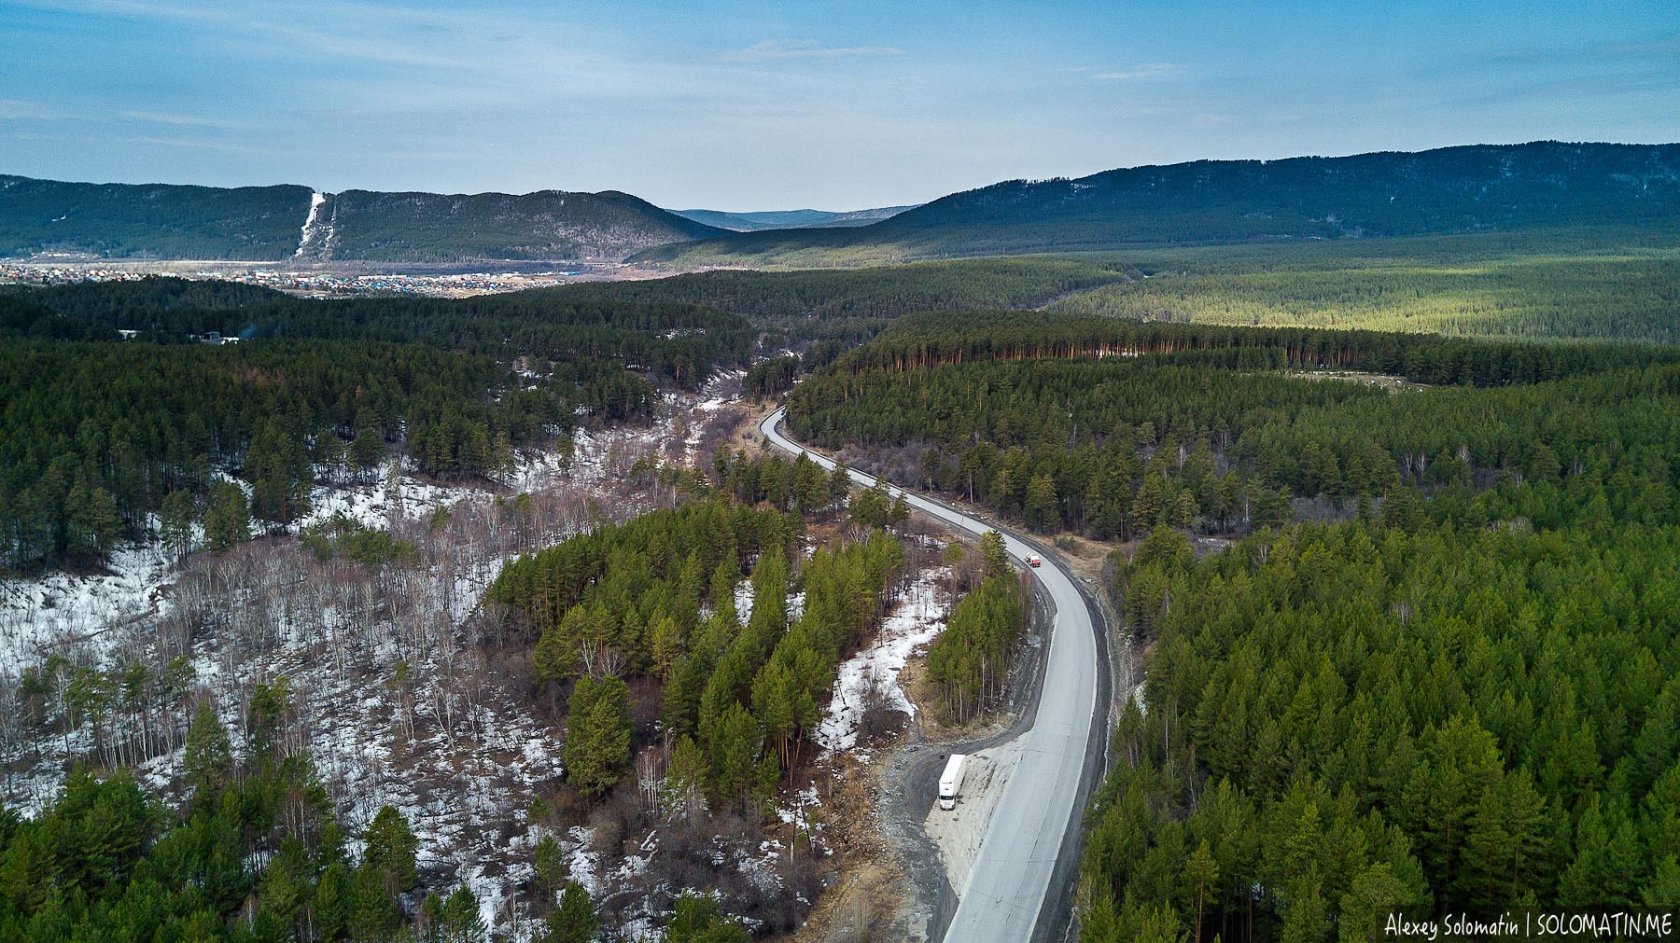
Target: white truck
[[950, 781]]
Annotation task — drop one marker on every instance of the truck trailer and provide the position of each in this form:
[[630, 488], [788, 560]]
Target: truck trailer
[[950, 782]]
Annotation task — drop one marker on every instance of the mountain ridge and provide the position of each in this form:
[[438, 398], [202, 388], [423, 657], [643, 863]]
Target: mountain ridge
[[1467, 188], [290, 221]]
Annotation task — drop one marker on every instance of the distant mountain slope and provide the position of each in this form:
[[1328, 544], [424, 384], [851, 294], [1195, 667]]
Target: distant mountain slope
[[1450, 190], [789, 219], [114, 220], [275, 223], [548, 224]]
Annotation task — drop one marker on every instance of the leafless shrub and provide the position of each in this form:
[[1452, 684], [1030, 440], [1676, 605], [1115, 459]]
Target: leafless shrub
[[881, 717]]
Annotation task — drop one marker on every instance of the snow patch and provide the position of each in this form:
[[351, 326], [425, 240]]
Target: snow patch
[[581, 863], [915, 621], [744, 600], [379, 504], [311, 224], [61, 611]]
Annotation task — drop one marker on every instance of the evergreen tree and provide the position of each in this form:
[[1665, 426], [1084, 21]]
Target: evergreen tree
[[685, 780], [372, 907], [597, 750], [1505, 851], [332, 902], [92, 524], [697, 920], [735, 745], [227, 520], [208, 762], [176, 519], [839, 482], [391, 846], [996, 555], [573, 919], [458, 919], [278, 469], [367, 450]]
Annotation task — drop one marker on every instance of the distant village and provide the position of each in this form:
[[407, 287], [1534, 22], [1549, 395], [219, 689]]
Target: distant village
[[309, 283]]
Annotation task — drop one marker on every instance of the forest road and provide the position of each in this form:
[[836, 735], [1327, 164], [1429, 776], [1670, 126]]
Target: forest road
[[1020, 887]]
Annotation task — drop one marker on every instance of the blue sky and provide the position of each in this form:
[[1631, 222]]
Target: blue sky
[[834, 105]]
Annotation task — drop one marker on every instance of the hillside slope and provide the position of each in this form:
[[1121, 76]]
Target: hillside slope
[[161, 221], [548, 224], [115, 220], [790, 219], [1451, 190]]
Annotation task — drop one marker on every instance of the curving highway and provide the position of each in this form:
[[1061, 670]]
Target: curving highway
[[1011, 879]]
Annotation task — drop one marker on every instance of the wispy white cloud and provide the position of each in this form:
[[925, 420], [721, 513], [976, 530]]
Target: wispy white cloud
[[776, 50], [336, 29], [197, 144], [1140, 73], [18, 109], [182, 121]]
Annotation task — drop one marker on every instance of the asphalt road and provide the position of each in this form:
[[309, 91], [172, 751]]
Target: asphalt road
[[1011, 879]]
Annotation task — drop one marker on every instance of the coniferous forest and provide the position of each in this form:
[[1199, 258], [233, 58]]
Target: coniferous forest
[[104, 440], [1405, 600], [1427, 665], [1003, 473]]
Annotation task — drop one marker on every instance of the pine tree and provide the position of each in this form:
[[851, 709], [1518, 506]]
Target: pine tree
[[367, 450], [573, 920], [391, 847], [278, 470], [995, 553], [550, 866], [665, 638], [697, 920], [839, 482], [735, 744], [1305, 916], [685, 780], [597, 750], [208, 763], [1041, 511], [227, 520], [1202, 872], [1505, 850], [458, 919], [92, 524], [176, 519], [331, 907], [1375, 894], [372, 912]]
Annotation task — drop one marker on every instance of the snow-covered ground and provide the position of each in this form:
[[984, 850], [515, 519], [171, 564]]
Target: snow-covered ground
[[311, 224], [393, 495], [63, 611], [915, 620], [395, 699]]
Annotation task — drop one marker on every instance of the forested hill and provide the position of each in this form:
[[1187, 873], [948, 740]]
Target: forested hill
[[1541, 185], [283, 222], [116, 220], [549, 224]]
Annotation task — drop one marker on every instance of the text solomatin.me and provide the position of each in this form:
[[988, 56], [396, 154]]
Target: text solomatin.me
[[1617, 925]]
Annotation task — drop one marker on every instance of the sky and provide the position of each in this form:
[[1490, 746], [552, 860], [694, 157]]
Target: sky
[[842, 104]]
